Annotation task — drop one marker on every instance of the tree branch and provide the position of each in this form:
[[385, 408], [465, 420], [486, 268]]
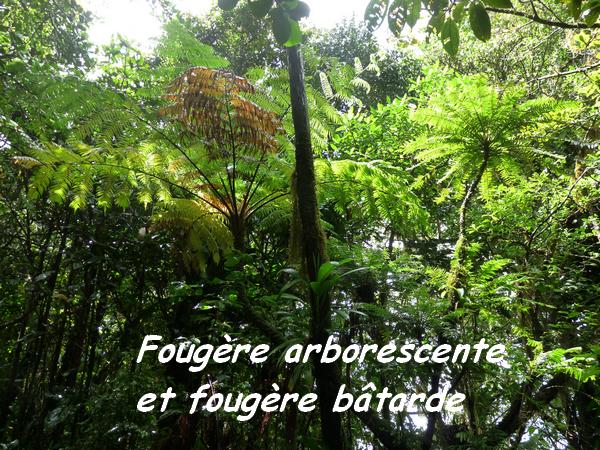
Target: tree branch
[[538, 19], [523, 407], [568, 72]]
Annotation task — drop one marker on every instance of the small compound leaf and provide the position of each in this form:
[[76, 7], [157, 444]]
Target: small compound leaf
[[260, 8], [480, 22], [450, 37], [358, 67], [505, 4], [282, 26], [325, 85], [301, 11], [375, 13], [228, 5]]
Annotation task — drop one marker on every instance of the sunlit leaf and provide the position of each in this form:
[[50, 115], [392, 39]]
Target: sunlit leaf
[[450, 37], [260, 8], [295, 34], [480, 22]]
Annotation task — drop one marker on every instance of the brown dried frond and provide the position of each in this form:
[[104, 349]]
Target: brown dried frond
[[210, 103], [177, 164]]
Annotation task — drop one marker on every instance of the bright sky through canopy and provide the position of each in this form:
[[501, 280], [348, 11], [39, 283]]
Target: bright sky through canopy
[[136, 20]]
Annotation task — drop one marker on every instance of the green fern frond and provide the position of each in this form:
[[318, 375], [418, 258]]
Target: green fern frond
[[373, 189]]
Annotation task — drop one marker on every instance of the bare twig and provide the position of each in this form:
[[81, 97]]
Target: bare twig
[[568, 72]]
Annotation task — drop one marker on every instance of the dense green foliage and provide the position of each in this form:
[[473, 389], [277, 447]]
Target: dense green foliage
[[155, 193]]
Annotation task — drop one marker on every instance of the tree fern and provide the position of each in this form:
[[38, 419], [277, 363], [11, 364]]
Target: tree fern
[[478, 131], [220, 149], [465, 116]]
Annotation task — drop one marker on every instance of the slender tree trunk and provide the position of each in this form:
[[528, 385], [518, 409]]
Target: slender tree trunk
[[74, 348], [427, 440], [454, 283], [455, 280], [40, 292], [291, 427]]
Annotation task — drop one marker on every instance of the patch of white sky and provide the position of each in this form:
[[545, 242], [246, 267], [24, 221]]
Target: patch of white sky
[[139, 22]]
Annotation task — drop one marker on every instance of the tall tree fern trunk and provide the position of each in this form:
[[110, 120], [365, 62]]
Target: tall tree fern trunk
[[313, 252]]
